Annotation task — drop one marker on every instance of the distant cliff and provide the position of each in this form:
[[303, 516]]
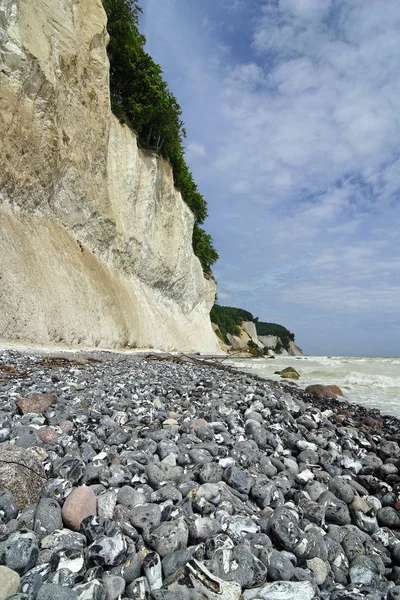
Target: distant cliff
[[95, 241], [238, 330], [246, 340]]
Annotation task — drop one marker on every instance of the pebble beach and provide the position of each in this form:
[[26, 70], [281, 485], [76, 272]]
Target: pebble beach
[[150, 477]]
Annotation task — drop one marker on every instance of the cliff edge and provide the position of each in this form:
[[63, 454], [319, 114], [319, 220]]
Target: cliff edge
[[95, 241]]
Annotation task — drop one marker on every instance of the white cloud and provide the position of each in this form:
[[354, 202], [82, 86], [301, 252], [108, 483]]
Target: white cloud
[[306, 9], [194, 149], [301, 161]]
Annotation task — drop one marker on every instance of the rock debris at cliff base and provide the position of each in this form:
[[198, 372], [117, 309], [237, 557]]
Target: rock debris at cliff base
[[154, 479]]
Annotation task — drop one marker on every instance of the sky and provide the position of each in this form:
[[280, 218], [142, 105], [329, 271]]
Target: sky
[[292, 112]]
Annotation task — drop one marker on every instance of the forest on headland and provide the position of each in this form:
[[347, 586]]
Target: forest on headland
[[141, 99], [229, 320]]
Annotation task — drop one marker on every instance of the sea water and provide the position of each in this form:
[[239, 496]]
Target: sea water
[[373, 382]]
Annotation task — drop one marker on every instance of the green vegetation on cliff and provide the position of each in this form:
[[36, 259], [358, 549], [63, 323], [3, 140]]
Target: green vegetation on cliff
[[229, 319], [140, 98]]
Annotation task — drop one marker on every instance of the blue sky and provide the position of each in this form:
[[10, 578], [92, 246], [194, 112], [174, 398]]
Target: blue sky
[[292, 109]]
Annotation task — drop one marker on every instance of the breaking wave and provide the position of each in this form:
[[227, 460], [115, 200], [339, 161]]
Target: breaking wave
[[372, 381]]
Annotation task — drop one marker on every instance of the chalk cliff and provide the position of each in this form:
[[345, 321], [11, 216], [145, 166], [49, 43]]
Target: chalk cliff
[[95, 241]]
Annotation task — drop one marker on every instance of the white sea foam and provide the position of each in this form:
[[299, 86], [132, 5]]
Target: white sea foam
[[373, 382], [379, 381]]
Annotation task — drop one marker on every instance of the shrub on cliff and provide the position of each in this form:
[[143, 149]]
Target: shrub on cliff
[[140, 97]]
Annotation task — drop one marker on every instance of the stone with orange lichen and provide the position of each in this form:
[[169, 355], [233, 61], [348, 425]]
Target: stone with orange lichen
[[336, 390]]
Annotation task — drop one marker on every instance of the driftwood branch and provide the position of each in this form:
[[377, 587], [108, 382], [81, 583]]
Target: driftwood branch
[[208, 361]]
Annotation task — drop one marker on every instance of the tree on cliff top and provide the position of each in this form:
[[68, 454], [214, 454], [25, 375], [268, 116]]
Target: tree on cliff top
[[141, 98]]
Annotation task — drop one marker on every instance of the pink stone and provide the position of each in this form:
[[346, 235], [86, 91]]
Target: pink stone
[[174, 415], [66, 426], [80, 504], [197, 423], [48, 435]]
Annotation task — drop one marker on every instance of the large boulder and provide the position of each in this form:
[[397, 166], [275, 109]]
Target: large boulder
[[21, 473], [320, 391], [35, 403], [288, 373]]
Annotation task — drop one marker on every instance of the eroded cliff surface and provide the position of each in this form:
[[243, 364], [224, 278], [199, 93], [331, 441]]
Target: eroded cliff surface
[[95, 241]]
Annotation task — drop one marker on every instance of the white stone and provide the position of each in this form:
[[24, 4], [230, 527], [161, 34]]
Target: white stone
[[106, 503], [73, 564], [319, 568], [305, 476], [281, 590], [9, 582]]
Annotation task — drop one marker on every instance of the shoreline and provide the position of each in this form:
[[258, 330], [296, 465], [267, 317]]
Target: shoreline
[[245, 485], [363, 380]]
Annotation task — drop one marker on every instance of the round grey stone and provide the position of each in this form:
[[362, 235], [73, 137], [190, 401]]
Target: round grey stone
[[130, 569], [285, 528], [202, 529], [19, 551], [128, 496], [210, 473], [47, 517], [50, 591], [146, 516], [279, 566], [114, 586], [361, 575], [336, 511], [8, 510], [388, 517], [26, 437], [341, 489], [168, 537]]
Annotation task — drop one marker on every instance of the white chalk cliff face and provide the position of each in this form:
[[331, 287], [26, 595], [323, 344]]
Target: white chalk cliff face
[[95, 241]]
